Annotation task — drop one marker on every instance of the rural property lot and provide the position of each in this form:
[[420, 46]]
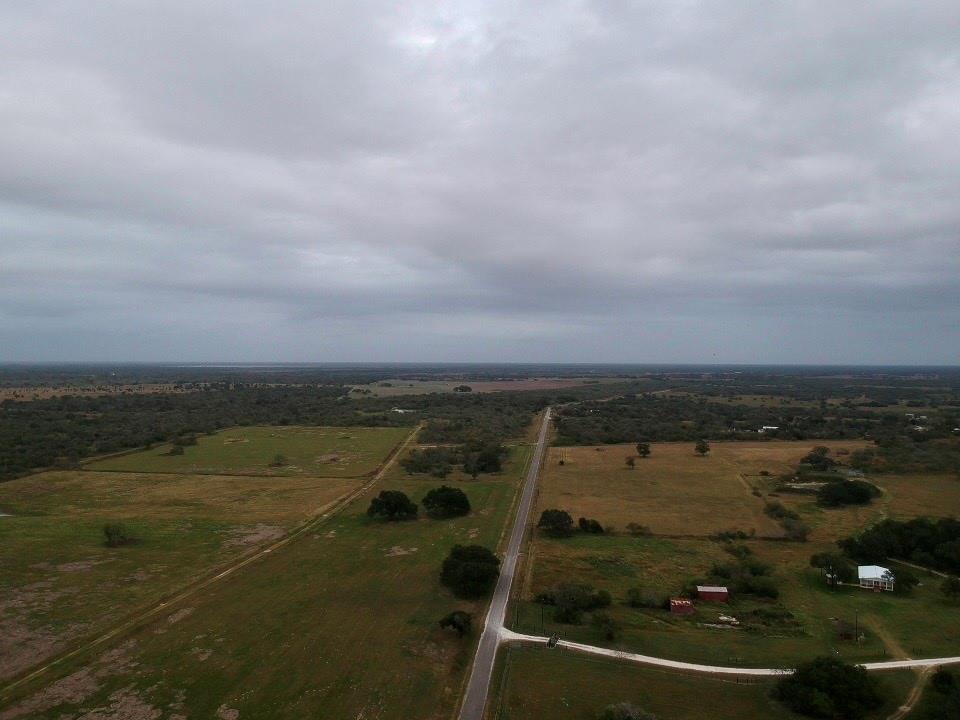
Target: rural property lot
[[682, 503], [392, 388], [339, 623], [537, 682], [306, 451], [60, 583]]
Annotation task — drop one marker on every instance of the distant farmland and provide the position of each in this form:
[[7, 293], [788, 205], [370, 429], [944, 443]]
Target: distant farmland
[[305, 451]]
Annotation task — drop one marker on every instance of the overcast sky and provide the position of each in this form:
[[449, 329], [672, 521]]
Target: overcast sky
[[492, 181]]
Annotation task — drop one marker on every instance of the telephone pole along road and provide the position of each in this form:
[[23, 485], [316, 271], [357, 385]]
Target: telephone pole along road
[[479, 684]]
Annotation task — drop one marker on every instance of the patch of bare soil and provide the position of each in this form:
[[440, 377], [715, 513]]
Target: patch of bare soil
[[80, 565], [396, 551], [81, 685], [227, 713], [201, 654], [22, 644], [179, 615], [254, 535], [125, 704]]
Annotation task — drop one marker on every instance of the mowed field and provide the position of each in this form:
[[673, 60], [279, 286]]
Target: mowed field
[[537, 682], [697, 496], [59, 583], [306, 451], [339, 623], [399, 388]]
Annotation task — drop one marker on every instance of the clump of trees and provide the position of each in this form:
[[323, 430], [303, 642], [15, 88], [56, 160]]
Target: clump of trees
[[640, 598], [643, 449], [571, 600], [830, 688], [475, 456], [117, 535], [556, 523], [835, 567], [819, 459], [392, 505], [625, 711], [847, 492], [587, 525], [950, 588], [942, 702], [702, 447], [458, 621], [446, 502], [793, 527], [745, 575], [470, 571], [927, 542]]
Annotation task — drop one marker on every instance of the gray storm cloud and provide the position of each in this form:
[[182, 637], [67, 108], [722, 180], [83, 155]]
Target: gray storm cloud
[[559, 181]]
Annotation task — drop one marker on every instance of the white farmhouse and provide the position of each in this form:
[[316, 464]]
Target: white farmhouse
[[874, 577]]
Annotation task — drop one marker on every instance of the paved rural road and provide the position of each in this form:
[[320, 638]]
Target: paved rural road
[[479, 684]]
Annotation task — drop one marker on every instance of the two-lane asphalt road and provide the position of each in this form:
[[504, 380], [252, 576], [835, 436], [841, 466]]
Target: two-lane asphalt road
[[479, 683]]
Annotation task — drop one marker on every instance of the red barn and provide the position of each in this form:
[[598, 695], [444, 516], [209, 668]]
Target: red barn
[[713, 593], [681, 606]]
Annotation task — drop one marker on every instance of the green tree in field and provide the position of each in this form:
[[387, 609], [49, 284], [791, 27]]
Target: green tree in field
[[392, 505], [556, 523], [630, 461], [643, 449], [701, 448], [279, 461], [117, 534], [459, 621], [471, 571], [446, 502], [830, 688], [608, 627], [951, 588]]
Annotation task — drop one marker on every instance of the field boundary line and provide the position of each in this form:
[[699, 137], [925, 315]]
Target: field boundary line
[[132, 622]]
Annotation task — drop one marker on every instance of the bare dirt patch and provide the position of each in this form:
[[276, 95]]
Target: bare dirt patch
[[227, 713], [397, 551], [254, 535], [125, 704]]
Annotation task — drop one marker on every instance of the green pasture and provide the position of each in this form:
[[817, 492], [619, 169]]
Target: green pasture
[[340, 623], [305, 451]]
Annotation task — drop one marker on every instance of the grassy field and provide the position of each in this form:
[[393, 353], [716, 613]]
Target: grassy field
[[307, 451], [672, 491], [540, 683], [59, 582], [341, 623], [682, 503]]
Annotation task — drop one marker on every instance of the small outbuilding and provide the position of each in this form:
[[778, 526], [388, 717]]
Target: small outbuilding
[[713, 593], [681, 606], [874, 577]]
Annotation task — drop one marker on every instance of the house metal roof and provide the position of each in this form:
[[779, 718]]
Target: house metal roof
[[711, 588], [873, 572]]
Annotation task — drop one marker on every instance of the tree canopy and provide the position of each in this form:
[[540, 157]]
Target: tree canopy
[[830, 688], [446, 502], [392, 505], [470, 571], [556, 523]]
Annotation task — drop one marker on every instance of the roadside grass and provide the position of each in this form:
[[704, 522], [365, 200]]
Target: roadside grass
[[537, 682], [341, 622], [60, 582], [307, 451]]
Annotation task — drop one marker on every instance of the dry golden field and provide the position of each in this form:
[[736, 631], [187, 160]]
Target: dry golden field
[[673, 491]]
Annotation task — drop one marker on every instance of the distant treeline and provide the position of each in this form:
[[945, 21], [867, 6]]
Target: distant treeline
[[58, 432], [931, 543], [652, 417]]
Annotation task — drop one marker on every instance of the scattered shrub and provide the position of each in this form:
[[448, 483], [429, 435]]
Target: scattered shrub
[[459, 621], [117, 535], [590, 526]]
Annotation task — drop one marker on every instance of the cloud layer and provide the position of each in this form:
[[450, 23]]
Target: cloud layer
[[558, 181]]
